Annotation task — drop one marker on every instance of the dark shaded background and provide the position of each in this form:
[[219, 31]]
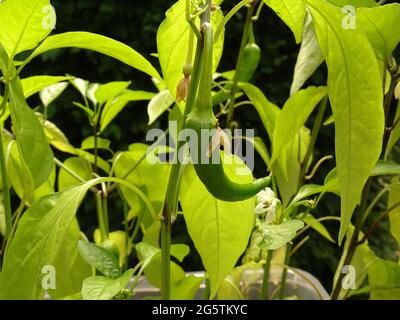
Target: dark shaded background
[[135, 23]]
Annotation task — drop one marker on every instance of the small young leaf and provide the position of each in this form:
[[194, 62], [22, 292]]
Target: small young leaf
[[110, 90], [159, 104], [51, 93], [102, 288], [275, 236], [35, 84], [99, 258]]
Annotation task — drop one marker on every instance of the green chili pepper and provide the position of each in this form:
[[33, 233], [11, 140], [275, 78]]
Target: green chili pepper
[[201, 119], [246, 69]]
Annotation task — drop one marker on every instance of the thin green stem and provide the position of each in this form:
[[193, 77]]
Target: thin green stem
[[171, 199], [230, 14], [105, 212], [243, 43], [4, 178], [314, 135], [265, 283], [100, 217], [284, 272]]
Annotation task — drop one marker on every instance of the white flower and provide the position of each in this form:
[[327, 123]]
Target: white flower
[[267, 204]]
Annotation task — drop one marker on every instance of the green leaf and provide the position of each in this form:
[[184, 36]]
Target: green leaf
[[110, 90], [381, 26], [39, 238], [70, 266], [55, 136], [394, 217], [180, 251], [159, 104], [2, 217], [98, 43], [99, 258], [292, 12], [115, 106], [143, 177], [102, 288], [35, 84], [32, 142], [172, 43], [293, 116], [356, 96], [119, 239], [186, 288], [220, 230], [89, 143], [77, 165], [51, 93], [309, 59], [384, 280], [147, 253], [275, 236], [311, 221], [24, 23]]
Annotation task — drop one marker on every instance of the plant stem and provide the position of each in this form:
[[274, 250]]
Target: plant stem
[[171, 198], [3, 173], [100, 217], [284, 272], [243, 43], [314, 136], [354, 239], [265, 283]]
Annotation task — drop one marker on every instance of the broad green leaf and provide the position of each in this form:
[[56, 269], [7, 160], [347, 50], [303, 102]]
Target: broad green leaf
[[110, 90], [89, 143], [172, 43], [81, 85], [385, 168], [71, 268], [293, 116], [32, 142], [186, 288], [310, 57], [384, 280], [115, 106], [143, 177], [39, 238], [381, 26], [19, 174], [98, 43], [102, 288], [275, 236], [159, 104], [35, 84], [311, 221], [24, 23], [99, 258], [292, 12], [77, 165], [51, 93], [147, 253], [220, 230], [356, 96], [394, 217]]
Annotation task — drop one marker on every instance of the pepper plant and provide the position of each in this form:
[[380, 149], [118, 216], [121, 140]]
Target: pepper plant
[[237, 223]]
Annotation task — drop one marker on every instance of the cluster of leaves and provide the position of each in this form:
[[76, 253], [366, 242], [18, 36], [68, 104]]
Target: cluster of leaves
[[359, 66]]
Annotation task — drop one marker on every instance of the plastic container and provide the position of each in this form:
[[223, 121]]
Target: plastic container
[[299, 285]]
